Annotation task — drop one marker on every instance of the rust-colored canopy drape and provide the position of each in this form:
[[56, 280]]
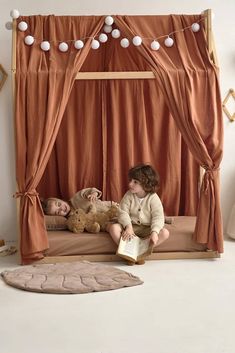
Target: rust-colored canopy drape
[[189, 81], [43, 86], [186, 88], [126, 124]]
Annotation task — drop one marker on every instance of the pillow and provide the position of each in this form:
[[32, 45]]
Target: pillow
[[55, 222]]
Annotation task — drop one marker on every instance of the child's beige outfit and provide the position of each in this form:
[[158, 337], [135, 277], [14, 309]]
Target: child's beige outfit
[[80, 200], [146, 215]]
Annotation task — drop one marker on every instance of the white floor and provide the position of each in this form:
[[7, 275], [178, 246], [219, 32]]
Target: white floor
[[184, 306]]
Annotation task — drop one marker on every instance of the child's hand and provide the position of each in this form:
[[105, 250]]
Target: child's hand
[[128, 233], [93, 196]]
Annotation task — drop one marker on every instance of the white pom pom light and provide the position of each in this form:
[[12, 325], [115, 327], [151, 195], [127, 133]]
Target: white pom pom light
[[29, 40], [45, 45], [14, 13], [124, 43], [155, 45], [22, 26], [108, 29], [103, 37], [116, 33], [137, 41], [78, 44], [195, 27], [95, 44], [109, 20], [8, 25], [169, 42], [63, 47]]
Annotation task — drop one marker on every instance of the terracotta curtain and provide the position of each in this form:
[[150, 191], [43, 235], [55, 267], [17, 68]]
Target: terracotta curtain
[[111, 125], [43, 85], [189, 82]]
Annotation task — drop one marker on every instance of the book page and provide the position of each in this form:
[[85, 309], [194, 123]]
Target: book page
[[129, 248], [135, 249], [145, 248], [143, 245]]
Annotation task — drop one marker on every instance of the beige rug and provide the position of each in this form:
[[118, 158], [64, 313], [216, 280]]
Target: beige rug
[[73, 277]]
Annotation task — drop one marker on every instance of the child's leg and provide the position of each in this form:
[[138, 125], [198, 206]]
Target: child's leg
[[115, 230], [161, 237]]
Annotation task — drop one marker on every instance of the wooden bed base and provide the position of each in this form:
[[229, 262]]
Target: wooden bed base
[[123, 75], [110, 258]]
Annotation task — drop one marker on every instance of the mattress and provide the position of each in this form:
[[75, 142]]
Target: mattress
[[64, 242]]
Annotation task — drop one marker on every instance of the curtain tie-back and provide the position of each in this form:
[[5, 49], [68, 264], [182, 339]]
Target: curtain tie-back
[[209, 175], [28, 194]]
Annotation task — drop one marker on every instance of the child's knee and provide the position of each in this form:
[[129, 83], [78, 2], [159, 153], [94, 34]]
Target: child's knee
[[165, 234], [114, 228], [115, 231]]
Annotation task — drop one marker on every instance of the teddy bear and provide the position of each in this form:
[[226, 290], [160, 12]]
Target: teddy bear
[[92, 221]]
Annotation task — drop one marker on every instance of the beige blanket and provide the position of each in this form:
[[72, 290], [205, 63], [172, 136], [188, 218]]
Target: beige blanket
[[73, 277]]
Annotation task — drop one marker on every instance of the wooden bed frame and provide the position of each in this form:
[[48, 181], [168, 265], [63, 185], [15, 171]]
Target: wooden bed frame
[[110, 258], [209, 254]]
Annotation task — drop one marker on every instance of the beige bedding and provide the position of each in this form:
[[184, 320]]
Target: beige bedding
[[67, 243]]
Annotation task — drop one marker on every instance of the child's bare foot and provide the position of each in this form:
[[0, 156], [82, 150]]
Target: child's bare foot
[[140, 262], [130, 263]]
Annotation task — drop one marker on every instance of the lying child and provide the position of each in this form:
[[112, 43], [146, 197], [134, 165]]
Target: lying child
[[82, 199]]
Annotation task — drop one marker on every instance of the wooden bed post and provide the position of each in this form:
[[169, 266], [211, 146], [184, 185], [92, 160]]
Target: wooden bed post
[[213, 56], [210, 36], [13, 62], [13, 77]]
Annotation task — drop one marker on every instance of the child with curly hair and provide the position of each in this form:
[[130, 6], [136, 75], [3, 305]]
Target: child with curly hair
[[141, 211]]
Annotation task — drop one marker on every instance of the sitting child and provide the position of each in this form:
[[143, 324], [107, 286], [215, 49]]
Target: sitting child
[[141, 211], [83, 199]]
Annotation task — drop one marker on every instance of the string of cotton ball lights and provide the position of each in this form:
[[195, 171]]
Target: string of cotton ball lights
[[102, 37]]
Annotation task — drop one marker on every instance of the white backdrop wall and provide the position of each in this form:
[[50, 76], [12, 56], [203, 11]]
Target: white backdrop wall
[[223, 27]]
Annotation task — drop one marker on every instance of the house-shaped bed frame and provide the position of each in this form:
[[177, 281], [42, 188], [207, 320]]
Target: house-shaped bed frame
[[207, 151]]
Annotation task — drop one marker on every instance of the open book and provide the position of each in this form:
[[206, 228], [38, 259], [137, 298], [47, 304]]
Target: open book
[[135, 249]]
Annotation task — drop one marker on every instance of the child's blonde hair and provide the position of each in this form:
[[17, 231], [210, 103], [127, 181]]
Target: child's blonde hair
[[46, 204]]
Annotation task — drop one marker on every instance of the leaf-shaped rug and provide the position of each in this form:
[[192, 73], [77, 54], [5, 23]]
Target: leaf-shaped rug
[[72, 277]]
